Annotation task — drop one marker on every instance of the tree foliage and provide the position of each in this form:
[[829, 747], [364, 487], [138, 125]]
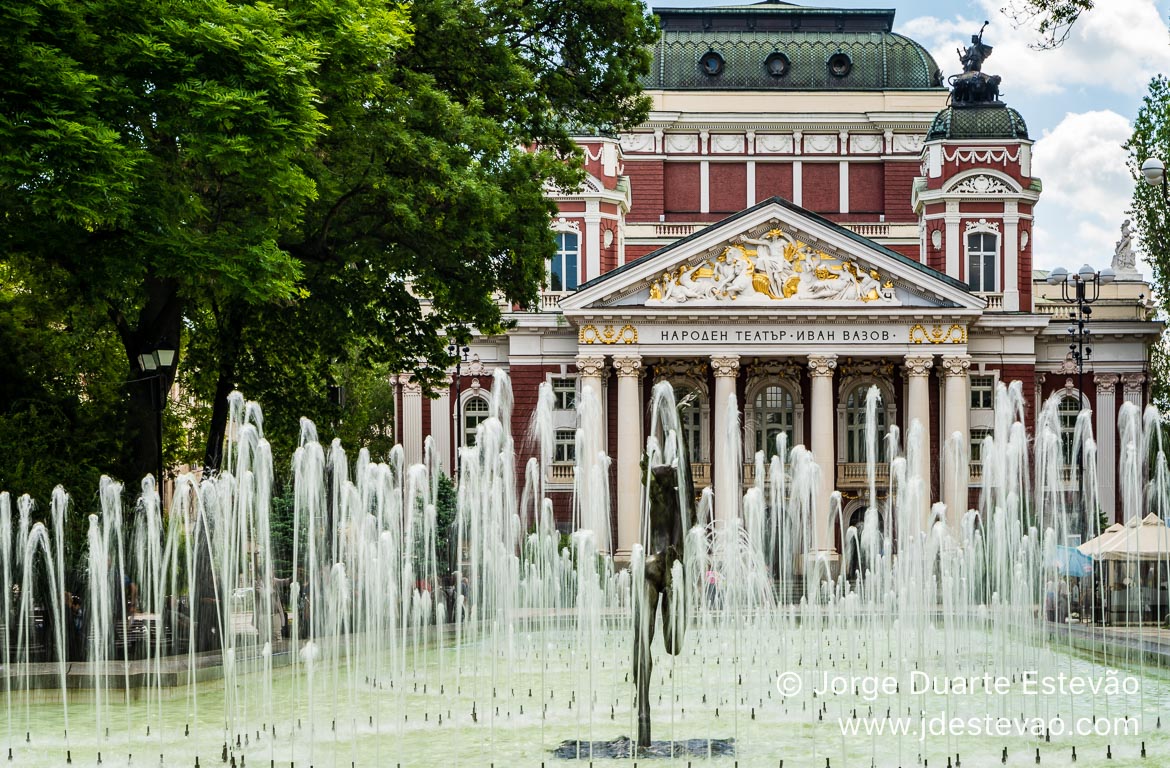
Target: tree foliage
[[431, 213], [1151, 138], [303, 194], [1053, 19]]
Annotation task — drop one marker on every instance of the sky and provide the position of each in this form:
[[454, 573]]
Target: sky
[[1079, 102]]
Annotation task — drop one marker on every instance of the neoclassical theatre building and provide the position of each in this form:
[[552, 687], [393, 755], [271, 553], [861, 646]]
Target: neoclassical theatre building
[[808, 212]]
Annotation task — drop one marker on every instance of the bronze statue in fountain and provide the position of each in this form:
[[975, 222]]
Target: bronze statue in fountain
[[669, 519]]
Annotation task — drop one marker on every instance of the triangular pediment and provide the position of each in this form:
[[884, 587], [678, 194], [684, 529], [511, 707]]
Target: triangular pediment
[[773, 256]]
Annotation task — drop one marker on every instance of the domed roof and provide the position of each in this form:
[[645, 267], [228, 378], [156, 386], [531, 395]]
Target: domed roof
[[776, 46], [985, 121]]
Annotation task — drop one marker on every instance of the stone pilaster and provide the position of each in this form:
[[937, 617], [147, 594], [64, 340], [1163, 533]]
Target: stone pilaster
[[1131, 384], [1105, 409], [412, 424]]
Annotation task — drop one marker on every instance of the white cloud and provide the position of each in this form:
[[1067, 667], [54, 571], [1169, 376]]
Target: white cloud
[[1118, 45], [1087, 189]]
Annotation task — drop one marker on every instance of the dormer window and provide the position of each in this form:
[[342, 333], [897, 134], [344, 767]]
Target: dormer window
[[711, 64], [982, 255]]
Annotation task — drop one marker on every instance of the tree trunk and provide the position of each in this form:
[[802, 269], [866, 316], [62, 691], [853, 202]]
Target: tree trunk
[[158, 326], [231, 322]]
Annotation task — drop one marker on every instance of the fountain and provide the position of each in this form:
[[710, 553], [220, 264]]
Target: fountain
[[192, 642]]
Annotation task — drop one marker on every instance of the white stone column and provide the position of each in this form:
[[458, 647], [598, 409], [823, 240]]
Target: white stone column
[[1132, 385], [954, 242], [1105, 409], [824, 445], [441, 415], [955, 471], [727, 467], [412, 423], [917, 369], [629, 454]]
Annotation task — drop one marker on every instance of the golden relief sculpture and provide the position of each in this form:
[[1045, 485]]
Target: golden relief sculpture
[[589, 334], [938, 334], [778, 268]]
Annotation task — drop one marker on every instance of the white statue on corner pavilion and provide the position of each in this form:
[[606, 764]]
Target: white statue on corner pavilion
[[1124, 258], [779, 268]]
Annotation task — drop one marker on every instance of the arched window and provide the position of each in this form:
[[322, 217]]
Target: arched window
[[475, 412], [563, 268], [855, 420], [691, 420], [1067, 413], [773, 414]]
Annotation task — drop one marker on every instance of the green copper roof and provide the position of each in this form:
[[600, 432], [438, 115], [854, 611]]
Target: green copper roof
[[743, 37], [978, 122]]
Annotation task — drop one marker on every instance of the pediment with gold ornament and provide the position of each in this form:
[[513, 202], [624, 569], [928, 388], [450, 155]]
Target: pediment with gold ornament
[[773, 255]]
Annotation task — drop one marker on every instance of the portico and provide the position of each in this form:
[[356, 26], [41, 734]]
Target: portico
[[784, 338]]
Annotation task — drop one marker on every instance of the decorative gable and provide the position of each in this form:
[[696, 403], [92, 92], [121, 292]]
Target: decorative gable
[[774, 255]]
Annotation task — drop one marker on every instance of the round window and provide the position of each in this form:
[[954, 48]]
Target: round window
[[777, 64], [711, 63], [840, 64]]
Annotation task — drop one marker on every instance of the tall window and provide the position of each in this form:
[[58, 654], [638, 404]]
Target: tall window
[[981, 251], [691, 422], [562, 273], [565, 446], [475, 412], [564, 394], [978, 435], [982, 391], [855, 419], [1069, 410], [773, 415]]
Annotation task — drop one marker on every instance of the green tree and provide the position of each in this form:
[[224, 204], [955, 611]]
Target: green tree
[[1053, 19], [431, 211], [147, 157], [1151, 138]]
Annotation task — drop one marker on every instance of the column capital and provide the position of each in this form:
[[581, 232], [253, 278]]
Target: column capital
[[821, 365], [1106, 379], [725, 365], [591, 365], [410, 385], [919, 365], [956, 365], [1133, 381], [628, 365]]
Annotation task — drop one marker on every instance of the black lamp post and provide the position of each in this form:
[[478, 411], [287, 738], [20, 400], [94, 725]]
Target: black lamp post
[[1080, 289], [461, 356], [154, 364]]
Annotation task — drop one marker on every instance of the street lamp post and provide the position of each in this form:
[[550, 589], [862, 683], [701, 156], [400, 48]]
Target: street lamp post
[[461, 356], [1154, 172], [1080, 289], [154, 363]]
